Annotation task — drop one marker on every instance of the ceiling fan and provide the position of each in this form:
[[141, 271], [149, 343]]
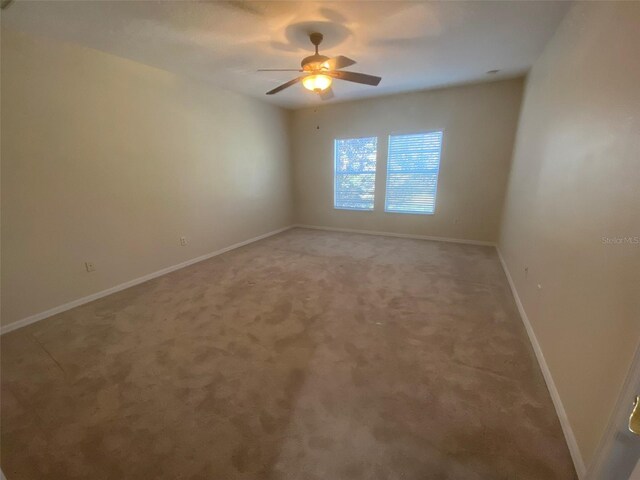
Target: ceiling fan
[[319, 72]]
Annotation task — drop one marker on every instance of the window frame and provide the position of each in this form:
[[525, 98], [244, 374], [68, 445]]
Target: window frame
[[435, 194], [375, 173]]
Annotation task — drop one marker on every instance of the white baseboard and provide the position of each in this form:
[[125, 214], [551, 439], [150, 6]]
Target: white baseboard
[[569, 436], [94, 296], [555, 397], [399, 235]]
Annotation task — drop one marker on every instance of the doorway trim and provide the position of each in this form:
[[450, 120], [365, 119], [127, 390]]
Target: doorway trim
[[599, 468]]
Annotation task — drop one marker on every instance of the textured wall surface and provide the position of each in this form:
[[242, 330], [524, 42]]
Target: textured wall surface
[[479, 123], [573, 198], [110, 161]]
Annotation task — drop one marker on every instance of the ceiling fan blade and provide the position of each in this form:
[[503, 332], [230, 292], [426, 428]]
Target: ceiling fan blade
[[279, 70], [284, 85], [339, 62], [356, 77], [326, 94]]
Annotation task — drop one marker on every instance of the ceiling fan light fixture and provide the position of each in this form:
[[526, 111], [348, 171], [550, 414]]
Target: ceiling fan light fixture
[[319, 72], [317, 82]]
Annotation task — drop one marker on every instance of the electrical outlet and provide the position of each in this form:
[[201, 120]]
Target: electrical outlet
[[90, 266], [183, 241]]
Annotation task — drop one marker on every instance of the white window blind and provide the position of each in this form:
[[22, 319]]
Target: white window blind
[[412, 172], [355, 173]]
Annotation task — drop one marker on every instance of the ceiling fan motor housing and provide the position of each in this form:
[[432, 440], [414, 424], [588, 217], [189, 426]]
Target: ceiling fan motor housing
[[314, 63]]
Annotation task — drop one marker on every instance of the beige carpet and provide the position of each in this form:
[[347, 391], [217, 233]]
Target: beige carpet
[[308, 355]]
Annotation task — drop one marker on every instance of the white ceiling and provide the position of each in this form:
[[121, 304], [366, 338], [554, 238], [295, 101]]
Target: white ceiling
[[411, 45]]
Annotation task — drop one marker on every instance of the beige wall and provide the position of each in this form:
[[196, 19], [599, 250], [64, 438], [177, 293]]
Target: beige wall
[[575, 179], [479, 123], [110, 161]]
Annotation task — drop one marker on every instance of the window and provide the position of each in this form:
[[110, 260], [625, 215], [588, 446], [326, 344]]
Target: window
[[412, 172], [355, 173]]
